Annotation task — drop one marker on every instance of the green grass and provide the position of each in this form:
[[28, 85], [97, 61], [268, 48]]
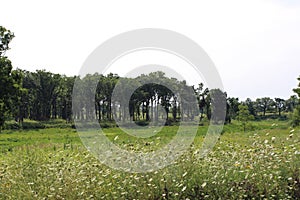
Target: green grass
[[10, 139], [52, 163]]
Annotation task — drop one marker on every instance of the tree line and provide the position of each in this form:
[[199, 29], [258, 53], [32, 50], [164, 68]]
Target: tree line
[[43, 95]]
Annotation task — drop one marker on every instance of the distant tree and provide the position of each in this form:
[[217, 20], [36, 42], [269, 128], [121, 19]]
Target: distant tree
[[251, 106], [18, 100], [218, 105], [291, 103], [297, 90], [201, 94], [207, 103], [44, 85], [279, 104], [296, 116], [62, 102], [264, 104], [296, 113], [232, 108], [244, 115]]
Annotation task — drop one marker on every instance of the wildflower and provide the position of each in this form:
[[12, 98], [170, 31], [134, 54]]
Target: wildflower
[[266, 141]]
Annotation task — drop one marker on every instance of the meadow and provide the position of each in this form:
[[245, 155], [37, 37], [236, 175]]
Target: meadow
[[52, 163]]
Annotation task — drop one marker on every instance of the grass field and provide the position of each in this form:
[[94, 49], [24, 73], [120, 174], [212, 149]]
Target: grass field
[[51, 163]]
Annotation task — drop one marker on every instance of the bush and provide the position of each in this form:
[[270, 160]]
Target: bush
[[27, 124], [57, 123], [296, 117], [142, 123], [13, 125], [33, 125]]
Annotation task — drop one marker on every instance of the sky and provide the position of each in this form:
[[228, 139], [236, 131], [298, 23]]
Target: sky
[[254, 44]]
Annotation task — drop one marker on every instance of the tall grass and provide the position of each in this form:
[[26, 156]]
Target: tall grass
[[261, 164]]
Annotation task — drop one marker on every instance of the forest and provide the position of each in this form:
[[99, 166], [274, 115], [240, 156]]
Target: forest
[[44, 154], [42, 95]]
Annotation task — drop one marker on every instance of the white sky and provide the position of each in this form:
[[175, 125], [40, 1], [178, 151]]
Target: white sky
[[255, 44]]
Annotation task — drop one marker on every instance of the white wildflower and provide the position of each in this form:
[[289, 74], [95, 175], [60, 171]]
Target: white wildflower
[[273, 139], [266, 141]]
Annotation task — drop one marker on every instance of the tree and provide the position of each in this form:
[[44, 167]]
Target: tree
[[8, 85], [291, 103], [244, 115], [264, 104], [62, 102], [218, 105], [296, 116], [5, 38], [18, 100], [232, 108], [296, 113], [201, 95], [44, 85], [297, 90], [251, 106], [279, 104]]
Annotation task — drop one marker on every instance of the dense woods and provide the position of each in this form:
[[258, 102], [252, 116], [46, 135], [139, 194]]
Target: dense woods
[[43, 95]]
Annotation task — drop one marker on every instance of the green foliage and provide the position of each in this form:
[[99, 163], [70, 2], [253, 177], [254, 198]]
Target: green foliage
[[291, 103], [9, 82], [232, 108], [296, 113], [5, 37], [244, 115], [27, 124], [279, 104], [43, 96], [297, 90], [296, 116], [264, 104]]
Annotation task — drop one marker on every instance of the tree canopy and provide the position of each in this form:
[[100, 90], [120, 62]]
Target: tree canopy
[[42, 95]]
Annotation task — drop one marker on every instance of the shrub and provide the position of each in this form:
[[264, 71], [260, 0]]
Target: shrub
[[296, 117]]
